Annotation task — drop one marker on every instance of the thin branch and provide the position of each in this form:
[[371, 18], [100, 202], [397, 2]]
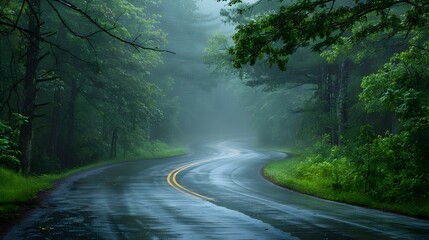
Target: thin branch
[[13, 26], [117, 18], [48, 34], [42, 104], [35, 13], [46, 41], [101, 28], [43, 56], [10, 94], [419, 47], [39, 80], [19, 14], [93, 48], [411, 3], [64, 23], [70, 53], [46, 73]]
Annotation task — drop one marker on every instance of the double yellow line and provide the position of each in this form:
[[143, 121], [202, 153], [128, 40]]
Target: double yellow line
[[172, 176], [172, 181]]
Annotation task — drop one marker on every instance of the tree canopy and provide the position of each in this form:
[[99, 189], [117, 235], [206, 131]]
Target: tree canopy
[[321, 24], [78, 74]]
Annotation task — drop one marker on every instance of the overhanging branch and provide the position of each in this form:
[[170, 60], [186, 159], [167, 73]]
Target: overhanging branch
[[101, 28]]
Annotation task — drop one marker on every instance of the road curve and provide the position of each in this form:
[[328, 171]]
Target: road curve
[[216, 192]]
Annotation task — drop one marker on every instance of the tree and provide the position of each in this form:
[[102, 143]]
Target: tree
[[359, 36], [321, 24], [305, 69], [330, 27], [401, 87], [29, 87], [29, 19]]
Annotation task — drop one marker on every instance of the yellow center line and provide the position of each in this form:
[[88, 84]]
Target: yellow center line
[[172, 177], [172, 181]]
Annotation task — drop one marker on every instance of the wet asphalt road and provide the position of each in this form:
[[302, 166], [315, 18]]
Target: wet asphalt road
[[134, 201]]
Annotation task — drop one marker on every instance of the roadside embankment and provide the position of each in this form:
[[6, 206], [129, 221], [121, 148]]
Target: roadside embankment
[[323, 179]]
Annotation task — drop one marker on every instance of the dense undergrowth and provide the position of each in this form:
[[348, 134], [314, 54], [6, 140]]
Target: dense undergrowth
[[382, 175], [16, 189]]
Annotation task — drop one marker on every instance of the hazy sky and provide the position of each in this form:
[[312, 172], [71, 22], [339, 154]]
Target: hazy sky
[[213, 7], [210, 6]]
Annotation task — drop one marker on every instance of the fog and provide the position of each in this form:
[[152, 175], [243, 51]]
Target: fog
[[209, 108], [341, 86]]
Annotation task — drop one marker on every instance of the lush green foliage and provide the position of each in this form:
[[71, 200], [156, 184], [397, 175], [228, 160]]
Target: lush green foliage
[[9, 155], [366, 119], [386, 168], [337, 178], [320, 24], [401, 87], [93, 94]]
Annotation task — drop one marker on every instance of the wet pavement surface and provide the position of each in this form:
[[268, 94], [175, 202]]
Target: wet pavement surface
[[134, 201]]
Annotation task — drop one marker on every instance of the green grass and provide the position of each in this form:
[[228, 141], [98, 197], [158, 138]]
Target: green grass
[[16, 189], [283, 173], [158, 150]]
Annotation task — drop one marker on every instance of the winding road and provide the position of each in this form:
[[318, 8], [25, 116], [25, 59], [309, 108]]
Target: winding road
[[216, 192]]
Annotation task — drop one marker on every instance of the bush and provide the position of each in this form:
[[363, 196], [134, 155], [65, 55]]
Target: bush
[[395, 173], [385, 168], [335, 173], [8, 153]]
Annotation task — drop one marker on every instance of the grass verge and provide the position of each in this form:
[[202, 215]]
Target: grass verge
[[17, 191], [284, 173]]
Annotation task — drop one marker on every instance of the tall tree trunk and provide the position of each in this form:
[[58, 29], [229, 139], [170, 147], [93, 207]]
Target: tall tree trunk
[[395, 125], [29, 87], [54, 137], [333, 109], [368, 170], [342, 108], [328, 88], [148, 129], [1, 64], [113, 143], [71, 125]]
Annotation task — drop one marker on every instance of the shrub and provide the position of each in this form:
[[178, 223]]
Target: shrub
[[8, 153]]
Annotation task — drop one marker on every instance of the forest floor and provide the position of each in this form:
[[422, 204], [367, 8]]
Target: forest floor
[[19, 194], [282, 173]]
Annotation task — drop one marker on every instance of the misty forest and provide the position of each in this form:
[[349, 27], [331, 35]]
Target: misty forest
[[327, 98]]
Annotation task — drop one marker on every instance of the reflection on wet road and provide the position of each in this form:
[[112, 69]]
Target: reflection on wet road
[[136, 200]]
